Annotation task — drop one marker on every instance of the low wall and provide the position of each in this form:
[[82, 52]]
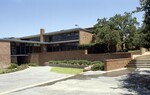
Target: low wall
[[43, 57], [80, 54], [111, 64]]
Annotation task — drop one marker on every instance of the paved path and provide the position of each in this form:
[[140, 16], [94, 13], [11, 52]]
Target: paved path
[[99, 85], [30, 76], [88, 83]]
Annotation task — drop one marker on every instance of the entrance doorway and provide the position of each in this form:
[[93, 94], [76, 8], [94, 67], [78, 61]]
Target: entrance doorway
[[22, 60]]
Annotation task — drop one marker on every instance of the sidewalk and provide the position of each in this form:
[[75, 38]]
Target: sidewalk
[[27, 78]]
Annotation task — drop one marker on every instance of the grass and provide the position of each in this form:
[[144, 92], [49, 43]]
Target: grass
[[63, 70], [132, 51]]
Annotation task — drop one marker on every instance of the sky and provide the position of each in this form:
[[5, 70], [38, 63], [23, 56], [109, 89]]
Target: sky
[[20, 18]]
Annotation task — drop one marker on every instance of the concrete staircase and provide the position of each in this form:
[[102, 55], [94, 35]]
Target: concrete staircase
[[135, 63]]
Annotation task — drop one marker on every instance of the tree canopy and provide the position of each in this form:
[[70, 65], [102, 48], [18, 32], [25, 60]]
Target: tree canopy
[[117, 30], [105, 33], [145, 6], [127, 26]]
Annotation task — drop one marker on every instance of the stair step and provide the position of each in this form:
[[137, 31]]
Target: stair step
[[139, 64]]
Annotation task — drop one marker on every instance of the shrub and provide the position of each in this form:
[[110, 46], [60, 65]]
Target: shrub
[[55, 62], [12, 66], [97, 66], [22, 67], [33, 64]]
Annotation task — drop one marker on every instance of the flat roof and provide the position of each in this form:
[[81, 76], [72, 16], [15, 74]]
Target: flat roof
[[20, 41], [56, 32], [35, 42]]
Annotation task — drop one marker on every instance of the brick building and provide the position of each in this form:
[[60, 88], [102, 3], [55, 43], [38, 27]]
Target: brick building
[[17, 50], [59, 45]]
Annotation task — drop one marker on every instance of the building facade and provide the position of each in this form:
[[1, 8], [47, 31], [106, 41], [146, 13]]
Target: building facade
[[18, 50], [59, 45]]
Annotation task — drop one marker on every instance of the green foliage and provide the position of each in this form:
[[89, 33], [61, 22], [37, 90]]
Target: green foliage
[[12, 66], [145, 6], [33, 64], [97, 66], [86, 46], [127, 26], [75, 62], [138, 38], [117, 30], [22, 67], [106, 34]]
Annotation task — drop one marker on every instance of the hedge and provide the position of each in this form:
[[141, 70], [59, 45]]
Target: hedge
[[98, 64]]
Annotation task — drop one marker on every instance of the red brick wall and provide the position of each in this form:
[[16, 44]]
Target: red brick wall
[[66, 55], [42, 31], [33, 58], [111, 64], [85, 37], [5, 59], [116, 60]]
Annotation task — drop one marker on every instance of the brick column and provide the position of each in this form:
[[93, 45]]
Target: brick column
[[43, 47], [42, 32]]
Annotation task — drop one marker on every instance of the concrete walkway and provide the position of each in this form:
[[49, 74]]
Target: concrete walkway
[[27, 78], [136, 56], [91, 85], [144, 57]]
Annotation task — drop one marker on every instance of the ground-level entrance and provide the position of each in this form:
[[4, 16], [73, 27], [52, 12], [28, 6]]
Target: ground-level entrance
[[19, 59]]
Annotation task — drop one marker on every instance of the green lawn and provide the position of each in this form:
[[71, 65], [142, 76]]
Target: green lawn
[[63, 70], [132, 51]]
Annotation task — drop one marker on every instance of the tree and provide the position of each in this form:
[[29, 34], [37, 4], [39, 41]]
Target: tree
[[105, 34], [123, 27], [127, 26], [145, 6], [138, 38]]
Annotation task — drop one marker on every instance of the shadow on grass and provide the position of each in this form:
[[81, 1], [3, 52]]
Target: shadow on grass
[[139, 82]]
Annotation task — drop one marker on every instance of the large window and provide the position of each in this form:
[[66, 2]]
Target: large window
[[63, 37], [32, 39], [63, 47], [22, 48]]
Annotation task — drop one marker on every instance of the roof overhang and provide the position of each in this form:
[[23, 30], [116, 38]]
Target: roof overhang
[[35, 42]]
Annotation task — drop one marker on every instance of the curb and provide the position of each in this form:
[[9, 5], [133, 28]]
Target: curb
[[104, 71], [30, 86]]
